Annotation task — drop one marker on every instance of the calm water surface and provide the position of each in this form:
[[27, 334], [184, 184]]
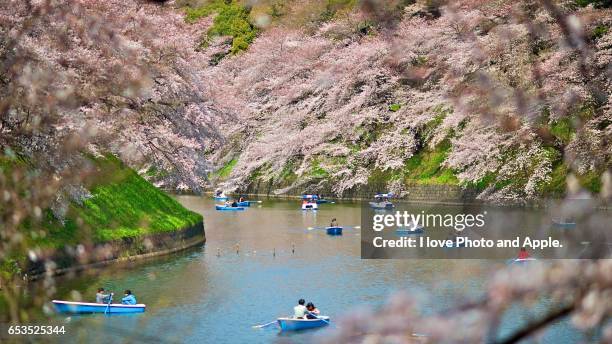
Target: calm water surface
[[212, 294]]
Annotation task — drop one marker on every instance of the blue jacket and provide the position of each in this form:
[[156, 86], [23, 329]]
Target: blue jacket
[[129, 300]]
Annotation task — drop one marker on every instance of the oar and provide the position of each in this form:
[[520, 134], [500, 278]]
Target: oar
[[110, 299], [326, 321], [317, 227], [265, 325]]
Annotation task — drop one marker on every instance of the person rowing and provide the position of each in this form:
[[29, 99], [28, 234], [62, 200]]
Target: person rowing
[[101, 296], [333, 223], [523, 254]]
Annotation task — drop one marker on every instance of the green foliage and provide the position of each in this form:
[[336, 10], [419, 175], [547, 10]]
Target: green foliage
[[259, 171], [8, 268], [287, 174], [366, 27], [123, 205], [425, 167], [154, 172], [431, 126], [332, 7], [557, 185], [596, 3], [369, 133], [563, 129], [419, 60], [484, 182], [317, 171], [276, 9], [232, 19], [591, 181], [192, 15], [395, 107], [227, 169], [378, 178], [599, 31]]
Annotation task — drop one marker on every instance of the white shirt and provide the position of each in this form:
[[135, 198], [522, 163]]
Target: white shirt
[[299, 311]]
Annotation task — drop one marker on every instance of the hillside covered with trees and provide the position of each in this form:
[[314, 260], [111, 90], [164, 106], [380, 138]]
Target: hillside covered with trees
[[509, 98]]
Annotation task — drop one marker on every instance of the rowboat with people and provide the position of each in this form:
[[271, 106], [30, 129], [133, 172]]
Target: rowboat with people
[[521, 261], [335, 230], [381, 201], [221, 207], [316, 198], [409, 230], [564, 224], [293, 324], [309, 202], [71, 307], [220, 196]]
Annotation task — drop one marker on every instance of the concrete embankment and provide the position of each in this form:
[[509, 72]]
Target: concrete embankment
[[82, 257]]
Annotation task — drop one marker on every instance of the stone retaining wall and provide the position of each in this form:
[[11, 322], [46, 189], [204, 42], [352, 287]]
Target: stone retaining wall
[[415, 193], [74, 259]]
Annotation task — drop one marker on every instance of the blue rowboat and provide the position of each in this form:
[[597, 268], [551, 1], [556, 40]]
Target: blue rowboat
[[454, 245], [226, 208], [401, 231], [221, 198], [86, 307], [564, 225], [521, 261], [334, 230], [244, 203], [292, 324], [323, 201], [382, 205]]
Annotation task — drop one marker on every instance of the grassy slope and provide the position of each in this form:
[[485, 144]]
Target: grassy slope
[[123, 205], [231, 19]]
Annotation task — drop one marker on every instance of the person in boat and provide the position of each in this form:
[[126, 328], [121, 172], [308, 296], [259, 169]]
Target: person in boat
[[129, 298], [300, 310], [333, 223], [312, 311], [241, 199], [101, 296], [523, 254], [234, 204]]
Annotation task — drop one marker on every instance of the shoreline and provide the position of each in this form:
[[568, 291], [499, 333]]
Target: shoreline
[[165, 244], [543, 203]]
